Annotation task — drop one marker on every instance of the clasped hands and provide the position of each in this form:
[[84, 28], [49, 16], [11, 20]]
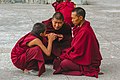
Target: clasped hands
[[59, 36]]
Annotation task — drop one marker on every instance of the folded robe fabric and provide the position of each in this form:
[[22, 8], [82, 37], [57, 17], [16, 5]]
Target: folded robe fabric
[[24, 57], [84, 50]]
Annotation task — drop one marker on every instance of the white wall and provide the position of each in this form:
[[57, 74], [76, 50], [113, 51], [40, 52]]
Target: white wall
[[79, 1]]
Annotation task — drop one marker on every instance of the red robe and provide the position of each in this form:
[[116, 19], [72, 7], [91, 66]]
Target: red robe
[[66, 9], [84, 51], [24, 57], [59, 46], [55, 5]]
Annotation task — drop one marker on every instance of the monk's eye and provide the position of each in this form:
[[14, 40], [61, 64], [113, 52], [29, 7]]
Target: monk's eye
[[60, 23]]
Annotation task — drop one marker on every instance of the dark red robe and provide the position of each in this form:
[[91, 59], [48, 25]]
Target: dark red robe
[[84, 52], [66, 9], [59, 46], [24, 57]]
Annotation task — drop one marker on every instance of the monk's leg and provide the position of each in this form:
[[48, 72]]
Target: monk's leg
[[35, 60], [70, 68], [33, 64], [68, 65], [48, 59]]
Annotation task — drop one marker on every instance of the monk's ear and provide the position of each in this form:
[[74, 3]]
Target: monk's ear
[[63, 22], [81, 17]]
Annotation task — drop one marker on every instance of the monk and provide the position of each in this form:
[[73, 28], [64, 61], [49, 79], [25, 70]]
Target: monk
[[57, 25], [83, 57], [65, 8], [27, 53]]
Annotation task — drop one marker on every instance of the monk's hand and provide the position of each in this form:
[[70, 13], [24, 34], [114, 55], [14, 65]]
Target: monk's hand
[[46, 35], [60, 37], [52, 36]]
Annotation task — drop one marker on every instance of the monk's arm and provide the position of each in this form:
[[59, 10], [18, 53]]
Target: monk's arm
[[39, 43]]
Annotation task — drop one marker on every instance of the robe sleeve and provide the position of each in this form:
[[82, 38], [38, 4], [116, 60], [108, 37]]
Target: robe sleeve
[[27, 40]]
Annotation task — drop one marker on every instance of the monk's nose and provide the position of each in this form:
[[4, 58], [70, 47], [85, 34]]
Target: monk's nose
[[72, 20], [57, 24]]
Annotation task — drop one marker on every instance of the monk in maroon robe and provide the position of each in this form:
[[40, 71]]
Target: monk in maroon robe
[[65, 8], [57, 25], [27, 53], [83, 57]]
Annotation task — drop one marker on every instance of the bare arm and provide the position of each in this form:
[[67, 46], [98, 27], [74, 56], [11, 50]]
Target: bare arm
[[39, 43]]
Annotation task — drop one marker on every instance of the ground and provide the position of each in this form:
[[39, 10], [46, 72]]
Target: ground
[[17, 19]]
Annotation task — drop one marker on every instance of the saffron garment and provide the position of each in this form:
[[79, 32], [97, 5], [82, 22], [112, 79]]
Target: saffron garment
[[66, 9], [24, 57], [58, 46], [83, 53]]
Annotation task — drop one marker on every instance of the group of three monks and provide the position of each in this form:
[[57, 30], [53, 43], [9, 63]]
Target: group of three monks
[[51, 42]]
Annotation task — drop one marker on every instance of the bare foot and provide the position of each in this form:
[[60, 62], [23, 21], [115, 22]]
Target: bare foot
[[32, 72], [26, 71]]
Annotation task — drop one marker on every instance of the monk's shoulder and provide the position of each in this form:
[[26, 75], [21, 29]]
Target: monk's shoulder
[[85, 31], [66, 26], [30, 36], [47, 22]]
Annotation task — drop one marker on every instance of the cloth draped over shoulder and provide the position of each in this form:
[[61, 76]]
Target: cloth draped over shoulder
[[84, 47], [59, 46], [84, 50], [24, 57]]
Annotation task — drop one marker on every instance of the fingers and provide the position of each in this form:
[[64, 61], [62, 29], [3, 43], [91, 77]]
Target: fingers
[[52, 36], [60, 35]]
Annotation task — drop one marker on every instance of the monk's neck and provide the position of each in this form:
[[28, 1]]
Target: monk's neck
[[81, 23]]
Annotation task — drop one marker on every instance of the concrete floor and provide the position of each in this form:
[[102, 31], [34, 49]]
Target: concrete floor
[[17, 19]]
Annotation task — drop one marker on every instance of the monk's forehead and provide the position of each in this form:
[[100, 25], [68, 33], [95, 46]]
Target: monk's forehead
[[74, 14], [58, 20]]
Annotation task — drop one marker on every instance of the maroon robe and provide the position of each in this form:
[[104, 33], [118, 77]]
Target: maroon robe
[[66, 9], [24, 57], [55, 6], [84, 52], [59, 46]]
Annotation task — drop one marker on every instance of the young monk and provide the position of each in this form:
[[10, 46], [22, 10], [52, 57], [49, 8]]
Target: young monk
[[27, 53], [65, 8], [83, 57]]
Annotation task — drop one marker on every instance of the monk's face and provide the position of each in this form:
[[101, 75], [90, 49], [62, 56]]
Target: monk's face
[[76, 19], [57, 24]]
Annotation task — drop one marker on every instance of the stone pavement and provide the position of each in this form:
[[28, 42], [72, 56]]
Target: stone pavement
[[18, 19]]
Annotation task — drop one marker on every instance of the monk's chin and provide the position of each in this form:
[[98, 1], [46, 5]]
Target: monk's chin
[[57, 28]]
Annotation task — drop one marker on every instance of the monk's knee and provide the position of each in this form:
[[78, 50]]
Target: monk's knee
[[34, 52], [69, 65], [65, 63]]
